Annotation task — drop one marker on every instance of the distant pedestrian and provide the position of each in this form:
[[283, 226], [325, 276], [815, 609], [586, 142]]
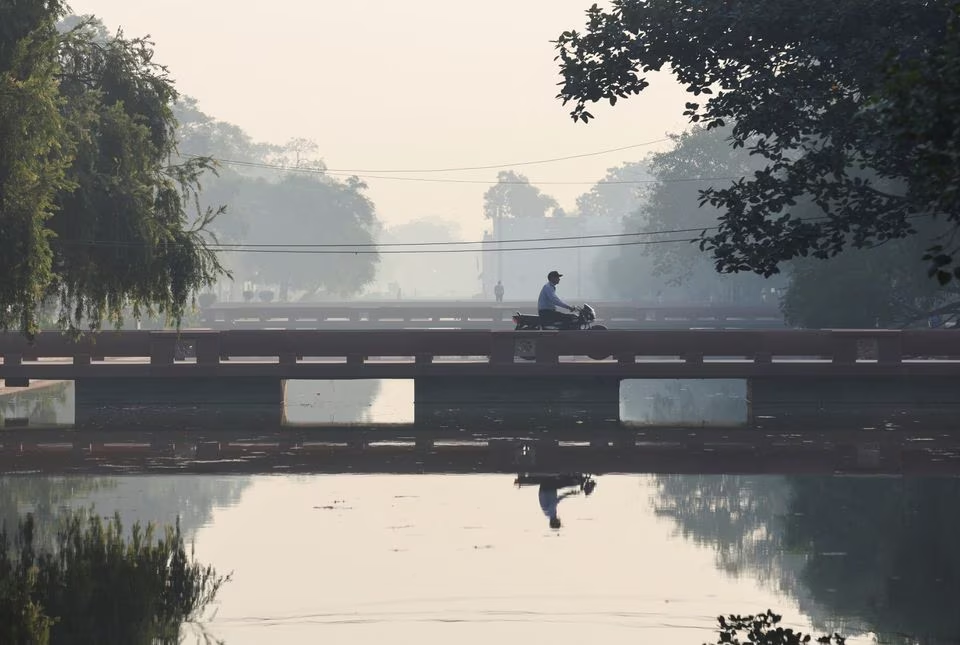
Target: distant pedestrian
[[498, 291]]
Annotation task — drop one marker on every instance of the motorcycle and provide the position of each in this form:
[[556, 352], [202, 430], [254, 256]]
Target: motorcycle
[[584, 320], [583, 481], [531, 322]]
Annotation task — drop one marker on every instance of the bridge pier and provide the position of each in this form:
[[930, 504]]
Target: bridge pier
[[254, 403], [825, 399], [547, 401]]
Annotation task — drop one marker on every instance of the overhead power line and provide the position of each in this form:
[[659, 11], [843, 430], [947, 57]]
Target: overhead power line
[[452, 180], [494, 166], [371, 247], [564, 238], [371, 251]]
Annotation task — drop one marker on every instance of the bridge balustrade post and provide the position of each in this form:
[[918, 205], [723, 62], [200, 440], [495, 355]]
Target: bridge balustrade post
[[844, 348], [502, 347], [546, 349], [163, 348], [763, 355], [208, 348], [14, 360], [890, 348]]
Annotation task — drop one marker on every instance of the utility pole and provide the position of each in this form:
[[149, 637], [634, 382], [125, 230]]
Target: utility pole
[[498, 224], [579, 256]]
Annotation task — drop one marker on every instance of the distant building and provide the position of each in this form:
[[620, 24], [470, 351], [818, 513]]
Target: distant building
[[524, 272]]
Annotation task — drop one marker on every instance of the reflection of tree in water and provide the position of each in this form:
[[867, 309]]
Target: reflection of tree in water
[[44, 497], [884, 550], [738, 516], [330, 401], [159, 499], [162, 498], [47, 405], [685, 401], [858, 554]]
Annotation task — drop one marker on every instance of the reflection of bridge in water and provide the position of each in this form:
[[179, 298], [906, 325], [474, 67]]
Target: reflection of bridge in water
[[412, 450]]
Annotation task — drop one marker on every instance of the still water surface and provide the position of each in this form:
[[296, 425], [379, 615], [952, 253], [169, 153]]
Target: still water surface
[[471, 558], [431, 558]]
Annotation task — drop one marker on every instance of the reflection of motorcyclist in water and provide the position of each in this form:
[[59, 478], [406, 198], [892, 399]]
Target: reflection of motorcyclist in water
[[549, 493], [549, 499]]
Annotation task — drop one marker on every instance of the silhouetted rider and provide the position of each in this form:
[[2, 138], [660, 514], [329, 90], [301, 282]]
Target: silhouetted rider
[[549, 301], [550, 497], [549, 493]]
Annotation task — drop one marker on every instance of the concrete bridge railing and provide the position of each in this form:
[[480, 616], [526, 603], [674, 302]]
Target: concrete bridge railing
[[473, 314], [240, 375], [406, 353]]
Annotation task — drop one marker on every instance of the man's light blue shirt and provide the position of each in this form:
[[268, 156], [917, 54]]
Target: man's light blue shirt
[[549, 298], [548, 501]]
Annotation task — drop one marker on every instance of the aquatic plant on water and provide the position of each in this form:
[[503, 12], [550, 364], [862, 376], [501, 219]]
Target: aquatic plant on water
[[98, 586], [765, 629]]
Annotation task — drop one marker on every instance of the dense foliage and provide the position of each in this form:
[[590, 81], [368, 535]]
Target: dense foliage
[[850, 106], [95, 214], [99, 586]]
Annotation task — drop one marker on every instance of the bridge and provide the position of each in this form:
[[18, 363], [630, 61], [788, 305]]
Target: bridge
[[460, 373], [474, 314]]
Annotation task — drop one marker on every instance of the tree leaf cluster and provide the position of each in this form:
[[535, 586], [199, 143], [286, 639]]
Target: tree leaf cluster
[[849, 106], [96, 214]]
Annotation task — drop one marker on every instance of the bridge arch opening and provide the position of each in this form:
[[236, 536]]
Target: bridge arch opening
[[347, 402], [684, 402]]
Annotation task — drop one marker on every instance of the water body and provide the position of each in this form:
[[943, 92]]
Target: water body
[[435, 558], [438, 558]]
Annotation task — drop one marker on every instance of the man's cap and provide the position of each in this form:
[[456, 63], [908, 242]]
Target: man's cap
[[554, 274]]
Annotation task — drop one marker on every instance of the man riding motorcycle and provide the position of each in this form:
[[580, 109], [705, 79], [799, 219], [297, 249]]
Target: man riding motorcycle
[[548, 302]]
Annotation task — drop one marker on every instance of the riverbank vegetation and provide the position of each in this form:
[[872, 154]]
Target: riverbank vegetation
[[100, 584]]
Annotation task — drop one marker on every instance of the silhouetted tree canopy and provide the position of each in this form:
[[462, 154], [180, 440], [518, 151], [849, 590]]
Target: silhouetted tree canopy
[[514, 196], [849, 105], [669, 259], [621, 191], [279, 195]]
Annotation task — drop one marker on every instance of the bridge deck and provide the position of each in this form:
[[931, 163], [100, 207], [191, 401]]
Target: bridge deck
[[473, 314], [463, 353]]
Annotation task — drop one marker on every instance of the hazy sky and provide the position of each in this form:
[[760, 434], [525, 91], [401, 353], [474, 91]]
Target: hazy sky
[[387, 85]]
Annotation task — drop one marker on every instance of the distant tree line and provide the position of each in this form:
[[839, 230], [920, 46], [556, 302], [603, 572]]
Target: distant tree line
[[280, 196]]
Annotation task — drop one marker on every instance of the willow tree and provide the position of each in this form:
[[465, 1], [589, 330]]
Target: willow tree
[[97, 214]]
